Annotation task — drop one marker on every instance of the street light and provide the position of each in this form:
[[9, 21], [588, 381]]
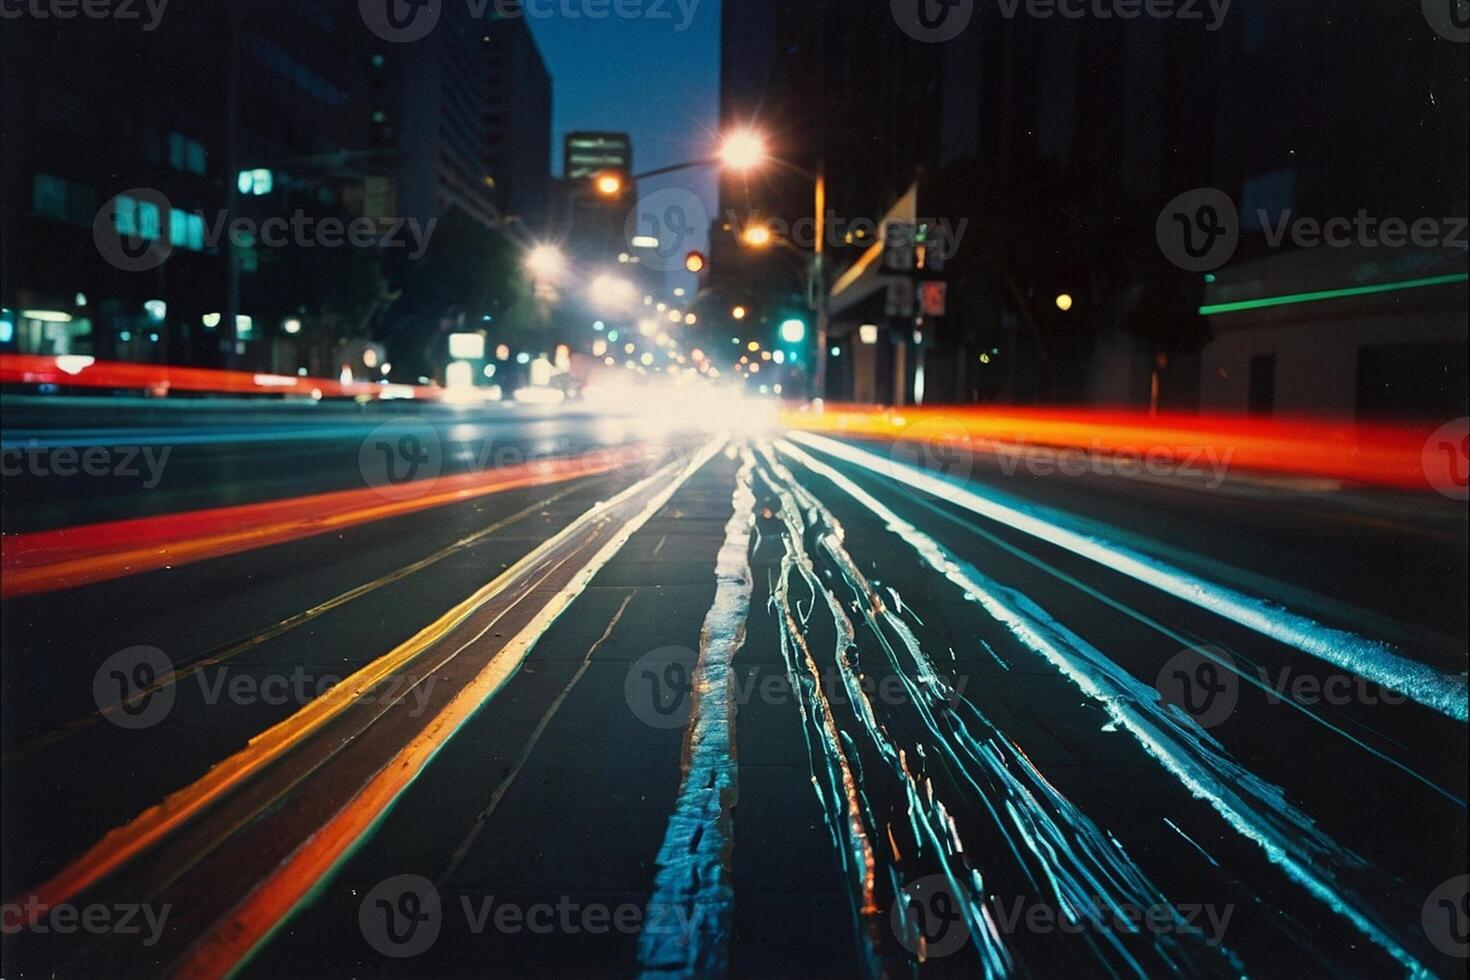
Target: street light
[[546, 262], [757, 236], [1064, 302], [743, 150], [609, 184]]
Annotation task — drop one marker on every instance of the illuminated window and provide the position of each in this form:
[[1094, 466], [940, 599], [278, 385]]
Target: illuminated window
[[48, 197]]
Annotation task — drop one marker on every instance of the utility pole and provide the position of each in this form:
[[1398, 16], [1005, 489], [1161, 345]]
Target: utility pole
[[819, 283]]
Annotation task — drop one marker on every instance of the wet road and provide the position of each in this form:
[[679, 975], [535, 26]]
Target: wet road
[[774, 705]]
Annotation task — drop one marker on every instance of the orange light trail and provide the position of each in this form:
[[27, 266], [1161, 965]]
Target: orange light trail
[[1374, 454], [45, 561]]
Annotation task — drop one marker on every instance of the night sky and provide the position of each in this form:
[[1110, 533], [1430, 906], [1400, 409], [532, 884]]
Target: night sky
[[645, 77]]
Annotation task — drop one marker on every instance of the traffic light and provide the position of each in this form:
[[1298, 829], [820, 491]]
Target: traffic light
[[793, 331]]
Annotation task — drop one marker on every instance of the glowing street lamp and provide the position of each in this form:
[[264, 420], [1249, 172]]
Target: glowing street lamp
[[546, 262], [740, 313], [1064, 302], [608, 184], [757, 236], [743, 150]]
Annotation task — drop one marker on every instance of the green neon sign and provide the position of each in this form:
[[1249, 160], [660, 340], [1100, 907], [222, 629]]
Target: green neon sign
[[1318, 297]]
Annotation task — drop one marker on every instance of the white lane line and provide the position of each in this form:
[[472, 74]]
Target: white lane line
[[278, 898], [692, 889], [1256, 809], [1372, 659]]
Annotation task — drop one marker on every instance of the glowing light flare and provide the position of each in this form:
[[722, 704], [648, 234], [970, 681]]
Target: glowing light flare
[[609, 184], [757, 236], [546, 262], [743, 150]]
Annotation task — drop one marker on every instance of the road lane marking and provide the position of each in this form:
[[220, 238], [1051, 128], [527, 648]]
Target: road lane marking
[[272, 902], [1061, 851], [156, 823], [1256, 809], [694, 860], [1182, 641], [1372, 659], [47, 561], [482, 818], [232, 649]]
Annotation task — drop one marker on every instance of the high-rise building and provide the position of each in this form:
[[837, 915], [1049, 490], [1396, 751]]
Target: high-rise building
[[519, 122], [442, 110], [75, 139]]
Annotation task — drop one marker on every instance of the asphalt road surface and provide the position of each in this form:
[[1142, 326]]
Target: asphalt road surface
[[548, 694]]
